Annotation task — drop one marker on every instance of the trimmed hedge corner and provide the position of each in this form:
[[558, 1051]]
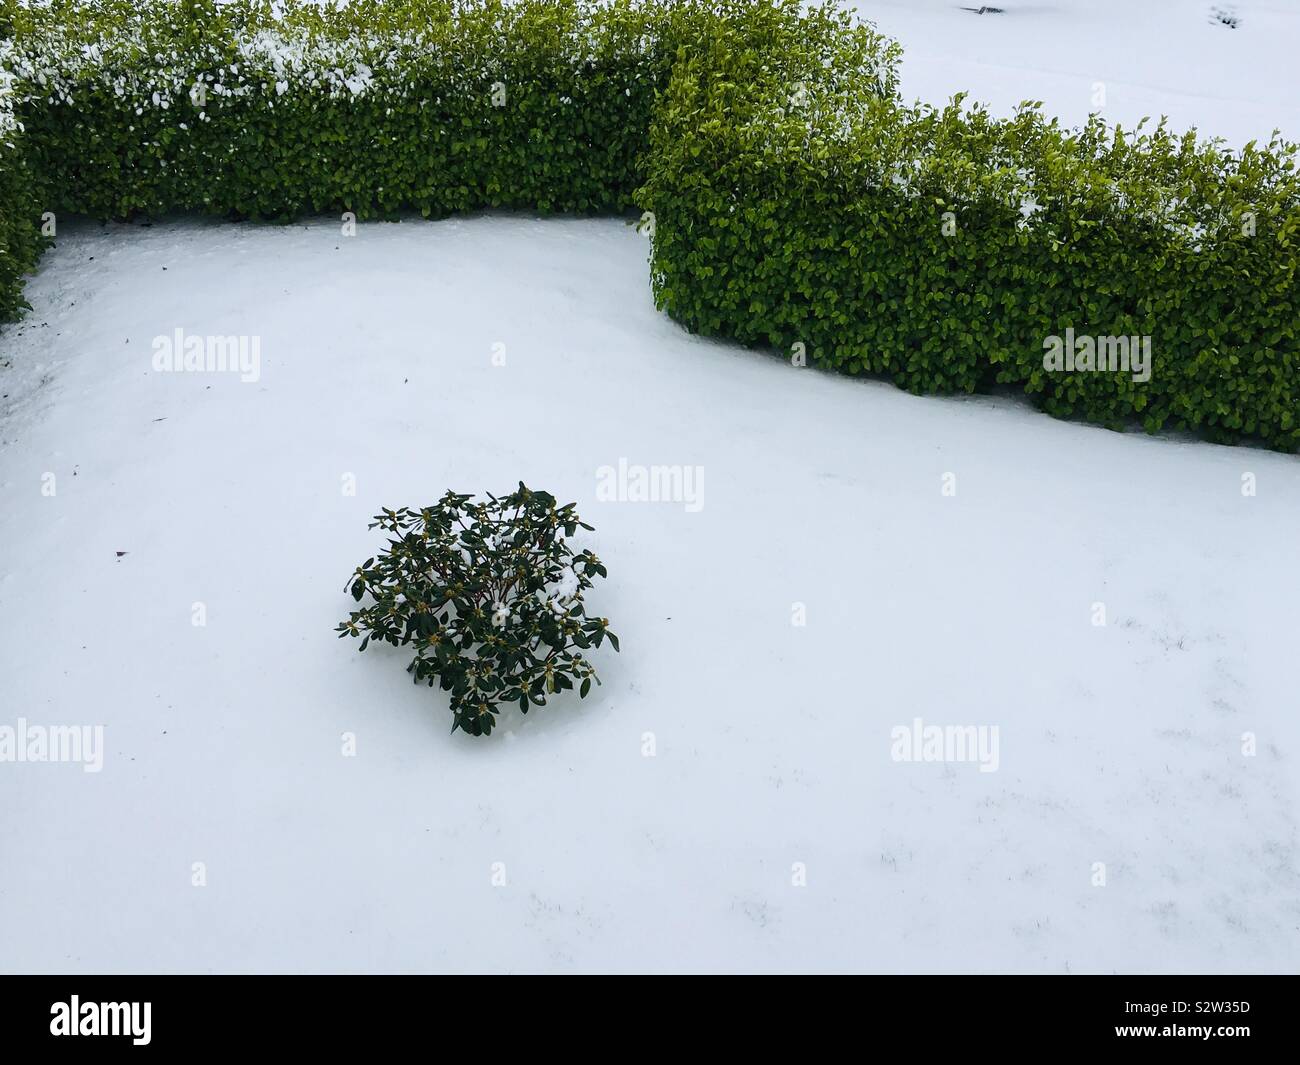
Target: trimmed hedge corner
[[797, 201]]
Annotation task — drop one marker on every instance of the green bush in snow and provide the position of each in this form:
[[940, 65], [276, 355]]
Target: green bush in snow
[[490, 595]]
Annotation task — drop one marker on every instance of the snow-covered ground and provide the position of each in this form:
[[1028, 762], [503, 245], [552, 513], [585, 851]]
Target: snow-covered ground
[[1125, 59], [771, 828]]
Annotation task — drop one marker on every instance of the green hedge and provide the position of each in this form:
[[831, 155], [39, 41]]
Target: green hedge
[[20, 240], [21, 199], [375, 108], [942, 248], [797, 200], [383, 106]]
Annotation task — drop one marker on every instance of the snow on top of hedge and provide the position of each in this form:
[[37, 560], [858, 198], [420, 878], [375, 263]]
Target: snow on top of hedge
[[58, 63]]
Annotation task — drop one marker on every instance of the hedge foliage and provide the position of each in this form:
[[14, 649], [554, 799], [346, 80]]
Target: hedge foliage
[[20, 240], [21, 199], [373, 108], [942, 248], [798, 201]]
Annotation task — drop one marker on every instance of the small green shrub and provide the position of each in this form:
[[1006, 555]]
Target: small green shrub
[[491, 597]]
